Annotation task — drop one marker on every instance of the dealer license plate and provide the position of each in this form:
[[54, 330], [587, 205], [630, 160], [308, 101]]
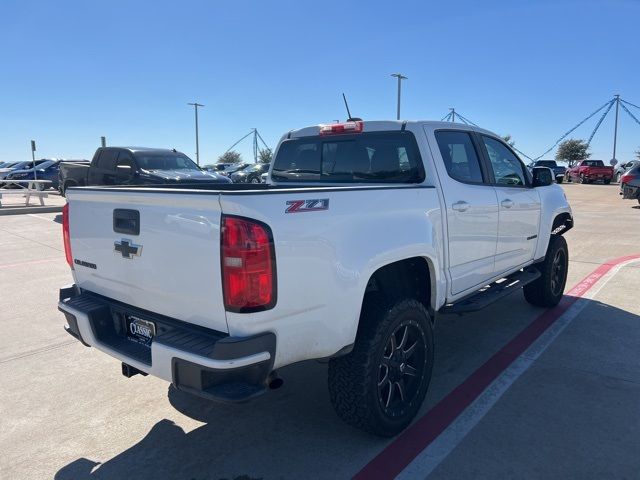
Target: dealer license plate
[[140, 330]]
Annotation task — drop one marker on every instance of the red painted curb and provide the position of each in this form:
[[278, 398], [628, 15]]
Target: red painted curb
[[408, 445]]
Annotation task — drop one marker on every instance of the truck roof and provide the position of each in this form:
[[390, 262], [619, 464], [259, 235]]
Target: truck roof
[[386, 125], [142, 149]]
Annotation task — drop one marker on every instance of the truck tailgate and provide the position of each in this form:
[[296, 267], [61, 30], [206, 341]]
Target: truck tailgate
[[171, 266]]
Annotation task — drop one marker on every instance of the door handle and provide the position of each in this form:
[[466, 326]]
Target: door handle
[[460, 206], [508, 203]]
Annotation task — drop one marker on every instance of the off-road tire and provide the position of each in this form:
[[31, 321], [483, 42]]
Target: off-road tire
[[547, 290], [354, 379]]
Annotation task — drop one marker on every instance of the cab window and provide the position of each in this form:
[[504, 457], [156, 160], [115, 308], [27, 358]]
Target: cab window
[[459, 156], [507, 168]]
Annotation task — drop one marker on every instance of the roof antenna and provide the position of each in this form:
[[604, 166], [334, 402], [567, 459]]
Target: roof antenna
[[350, 119]]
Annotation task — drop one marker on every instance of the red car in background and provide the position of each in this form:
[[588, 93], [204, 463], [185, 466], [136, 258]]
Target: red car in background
[[589, 171]]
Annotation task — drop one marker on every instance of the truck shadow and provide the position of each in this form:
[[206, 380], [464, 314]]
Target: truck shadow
[[293, 432]]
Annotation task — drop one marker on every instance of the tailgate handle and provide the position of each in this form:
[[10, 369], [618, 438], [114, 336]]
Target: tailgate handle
[[126, 221]]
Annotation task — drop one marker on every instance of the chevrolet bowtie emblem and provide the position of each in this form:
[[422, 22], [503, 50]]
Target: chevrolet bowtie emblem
[[127, 248]]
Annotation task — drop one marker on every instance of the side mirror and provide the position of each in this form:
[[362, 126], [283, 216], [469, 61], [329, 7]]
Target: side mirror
[[124, 170], [542, 176]]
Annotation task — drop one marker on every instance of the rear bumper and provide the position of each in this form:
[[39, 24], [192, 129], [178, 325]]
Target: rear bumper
[[629, 192], [201, 361]]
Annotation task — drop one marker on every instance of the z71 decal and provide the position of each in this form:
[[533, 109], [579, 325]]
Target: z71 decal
[[299, 206]]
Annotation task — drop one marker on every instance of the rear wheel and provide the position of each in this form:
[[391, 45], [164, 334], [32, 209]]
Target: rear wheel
[[607, 181], [547, 290], [255, 180], [559, 179], [379, 387]]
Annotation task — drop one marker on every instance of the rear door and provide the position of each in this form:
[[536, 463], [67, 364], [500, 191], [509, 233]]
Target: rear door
[[518, 204], [103, 167], [471, 210], [159, 251]]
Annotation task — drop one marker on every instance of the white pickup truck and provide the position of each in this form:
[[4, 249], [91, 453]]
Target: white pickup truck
[[363, 234]]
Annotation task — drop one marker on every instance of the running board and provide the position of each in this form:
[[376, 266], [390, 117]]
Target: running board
[[490, 293]]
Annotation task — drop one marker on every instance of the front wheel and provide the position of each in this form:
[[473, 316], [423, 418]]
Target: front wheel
[[583, 179], [379, 387], [547, 290], [255, 180]]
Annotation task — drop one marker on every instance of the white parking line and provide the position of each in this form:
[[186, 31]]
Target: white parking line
[[450, 438]]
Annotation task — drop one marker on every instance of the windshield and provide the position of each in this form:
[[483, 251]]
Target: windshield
[[257, 168], [593, 163], [165, 161], [21, 165], [236, 167], [375, 157], [546, 163], [45, 165]]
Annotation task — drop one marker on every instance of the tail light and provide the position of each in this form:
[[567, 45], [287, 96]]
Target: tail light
[[337, 128], [65, 235], [248, 265], [627, 177]]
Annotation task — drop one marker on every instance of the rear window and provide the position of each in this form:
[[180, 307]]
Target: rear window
[[162, 161], [593, 163], [546, 163], [375, 157]]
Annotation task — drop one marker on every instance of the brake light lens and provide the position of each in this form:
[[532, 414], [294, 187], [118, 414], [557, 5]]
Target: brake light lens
[[65, 235], [627, 177], [248, 265], [341, 128]]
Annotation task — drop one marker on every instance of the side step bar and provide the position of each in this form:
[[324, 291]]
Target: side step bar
[[490, 293]]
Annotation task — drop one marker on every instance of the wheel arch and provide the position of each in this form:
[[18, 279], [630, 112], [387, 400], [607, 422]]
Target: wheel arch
[[412, 277], [562, 223]]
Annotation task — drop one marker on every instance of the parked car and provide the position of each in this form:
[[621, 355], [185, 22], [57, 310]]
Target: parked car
[[217, 167], [19, 166], [135, 166], [558, 170], [233, 168], [589, 171], [49, 170], [4, 165], [621, 168], [216, 292], [250, 174], [43, 171], [630, 183]]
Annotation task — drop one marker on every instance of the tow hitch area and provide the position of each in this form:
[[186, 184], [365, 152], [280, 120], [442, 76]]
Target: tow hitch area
[[129, 371]]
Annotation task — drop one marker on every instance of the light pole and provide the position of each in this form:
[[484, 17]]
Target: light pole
[[33, 158], [195, 106], [400, 77], [615, 129]]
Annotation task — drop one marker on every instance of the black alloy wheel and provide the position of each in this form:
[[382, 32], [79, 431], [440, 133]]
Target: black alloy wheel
[[401, 369]]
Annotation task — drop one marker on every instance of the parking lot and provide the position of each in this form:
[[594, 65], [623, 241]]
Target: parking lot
[[517, 392]]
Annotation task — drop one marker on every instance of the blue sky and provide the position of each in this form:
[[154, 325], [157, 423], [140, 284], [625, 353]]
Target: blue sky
[[73, 71]]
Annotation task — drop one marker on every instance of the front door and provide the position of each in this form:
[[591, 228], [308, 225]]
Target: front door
[[518, 204], [471, 210]]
